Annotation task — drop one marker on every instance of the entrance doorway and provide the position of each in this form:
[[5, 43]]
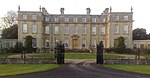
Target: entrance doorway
[[75, 42]]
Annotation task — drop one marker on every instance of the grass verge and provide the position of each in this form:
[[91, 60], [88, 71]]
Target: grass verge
[[143, 69], [78, 56], [2, 55], [14, 69]]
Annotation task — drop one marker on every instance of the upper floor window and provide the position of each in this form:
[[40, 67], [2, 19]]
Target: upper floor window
[[94, 30], [47, 30], [75, 19], [66, 19], [75, 30], [125, 17], [24, 28], [47, 19], [56, 19], [103, 30], [93, 19], [116, 28], [24, 16], [83, 19], [116, 18], [66, 30], [83, 29], [34, 28], [125, 29], [56, 30], [34, 16]]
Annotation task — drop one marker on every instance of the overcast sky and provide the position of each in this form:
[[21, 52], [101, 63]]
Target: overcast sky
[[141, 8]]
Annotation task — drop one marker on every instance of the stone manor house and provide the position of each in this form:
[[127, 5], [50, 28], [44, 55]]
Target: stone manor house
[[76, 31]]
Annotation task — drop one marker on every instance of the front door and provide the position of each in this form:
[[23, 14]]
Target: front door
[[75, 42]]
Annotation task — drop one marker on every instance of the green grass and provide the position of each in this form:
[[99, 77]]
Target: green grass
[[2, 55], [14, 69], [78, 56], [143, 69], [146, 55], [89, 56], [43, 55]]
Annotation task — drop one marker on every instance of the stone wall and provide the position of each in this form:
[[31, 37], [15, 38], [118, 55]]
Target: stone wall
[[126, 61], [27, 60]]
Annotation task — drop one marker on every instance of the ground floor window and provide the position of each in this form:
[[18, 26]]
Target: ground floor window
[[47, 44], [83, 43], [66, 42], [93, 43], [34, 42]]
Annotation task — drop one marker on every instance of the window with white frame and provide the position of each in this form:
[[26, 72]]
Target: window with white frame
[[75, 30], [93, 19], [83, 29], [125, 42], [116, 28], [47, 44], [83, 19], [47, 19], [47, 30], [24, 16], [34, 28], [56, 30], [75, 19], [93, 43], [34, 42], [103, 30], [83, 43], [56, 19], [34, 17], [66, 42], [93, 29], [116, 17], [66, 19], [125, 29], [125, 17], [24, 28], [66, 30]]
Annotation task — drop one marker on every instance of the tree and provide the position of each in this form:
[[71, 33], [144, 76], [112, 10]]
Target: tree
[[9, 19], [121, 48], [11, 32], [139, 34], [18, 47], [121, 42], [28, 43]]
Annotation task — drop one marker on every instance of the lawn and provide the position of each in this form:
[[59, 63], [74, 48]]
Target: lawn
[[146, 55], [143, 69], [13, 69], [42, 55], [78, 56], [2, 55]]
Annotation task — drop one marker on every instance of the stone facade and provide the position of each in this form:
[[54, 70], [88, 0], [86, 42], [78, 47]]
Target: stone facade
[[142, 44], [76, 31]]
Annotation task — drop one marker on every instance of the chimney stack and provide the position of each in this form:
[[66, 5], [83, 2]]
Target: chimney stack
[[88, 10], [62, 10]]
